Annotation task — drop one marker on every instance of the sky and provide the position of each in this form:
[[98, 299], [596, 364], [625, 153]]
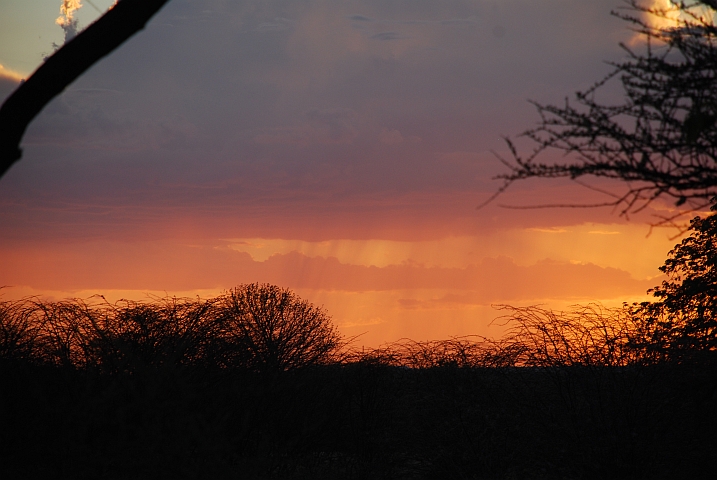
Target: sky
[[337, 148]]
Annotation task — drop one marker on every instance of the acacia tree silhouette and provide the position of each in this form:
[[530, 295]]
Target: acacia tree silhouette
[[272, 329], [64, 66], [684, 319], [662, 140]]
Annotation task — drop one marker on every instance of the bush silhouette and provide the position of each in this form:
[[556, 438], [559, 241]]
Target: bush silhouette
[[255, 327], [17, 331], [190, 388], [271, 328], [683, 322], [167, 332]]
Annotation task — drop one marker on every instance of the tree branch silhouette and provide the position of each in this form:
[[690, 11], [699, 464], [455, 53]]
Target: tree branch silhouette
[[661, 141], [64, 66]]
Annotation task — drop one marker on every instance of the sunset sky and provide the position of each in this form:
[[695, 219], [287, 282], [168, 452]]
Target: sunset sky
[[337, 148]]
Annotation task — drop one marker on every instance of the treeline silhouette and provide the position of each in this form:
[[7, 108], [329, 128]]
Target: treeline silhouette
[[253, 327], [257, 383]]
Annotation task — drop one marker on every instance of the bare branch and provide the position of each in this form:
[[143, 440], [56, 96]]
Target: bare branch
[[64, 66], [661, 141]]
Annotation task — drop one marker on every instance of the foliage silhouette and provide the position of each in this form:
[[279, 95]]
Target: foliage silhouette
[[168, 389], [683, 322], [170, 331], [58, 71], [275, 329], [17, 331], [586, 336], [255, 327], [662, 140]]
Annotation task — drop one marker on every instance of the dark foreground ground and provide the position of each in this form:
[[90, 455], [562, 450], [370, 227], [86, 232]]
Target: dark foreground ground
[[361, 420]]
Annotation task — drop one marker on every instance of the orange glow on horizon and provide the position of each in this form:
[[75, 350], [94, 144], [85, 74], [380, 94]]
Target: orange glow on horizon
[[374, 318], [605, 245], [379, 289]]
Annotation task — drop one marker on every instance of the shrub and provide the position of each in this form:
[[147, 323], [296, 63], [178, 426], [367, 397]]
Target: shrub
[[271, 328]]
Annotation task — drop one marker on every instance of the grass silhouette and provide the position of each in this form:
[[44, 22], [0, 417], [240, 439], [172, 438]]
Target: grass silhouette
[[184, 388]]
